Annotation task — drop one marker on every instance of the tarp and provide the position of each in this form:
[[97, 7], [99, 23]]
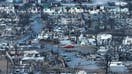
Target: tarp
[[46, 5]]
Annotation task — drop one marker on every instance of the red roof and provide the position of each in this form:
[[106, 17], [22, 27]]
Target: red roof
[[68, 46]]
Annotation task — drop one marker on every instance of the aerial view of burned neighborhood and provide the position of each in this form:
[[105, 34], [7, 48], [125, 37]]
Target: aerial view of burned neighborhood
[[65, 36]]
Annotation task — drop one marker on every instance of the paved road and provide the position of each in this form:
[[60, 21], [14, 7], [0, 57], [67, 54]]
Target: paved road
[[3, 65]]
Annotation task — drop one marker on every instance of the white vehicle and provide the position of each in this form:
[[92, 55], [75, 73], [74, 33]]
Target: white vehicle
[[102, 51], [32, 55], [3, 45], [120, 3], [117, 67]]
